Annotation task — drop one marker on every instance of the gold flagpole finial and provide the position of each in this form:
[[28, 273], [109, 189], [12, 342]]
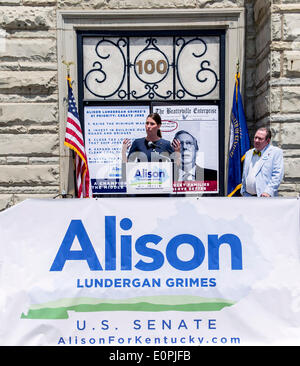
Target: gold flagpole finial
[[68, 64], [238, 66]]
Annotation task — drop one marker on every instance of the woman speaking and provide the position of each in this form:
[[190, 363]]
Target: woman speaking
[[147, 148]]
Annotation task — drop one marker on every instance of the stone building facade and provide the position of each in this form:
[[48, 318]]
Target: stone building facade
[[37, 35]]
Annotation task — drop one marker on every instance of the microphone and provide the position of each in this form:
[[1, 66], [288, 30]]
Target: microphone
[[151, 145], [157, 156]]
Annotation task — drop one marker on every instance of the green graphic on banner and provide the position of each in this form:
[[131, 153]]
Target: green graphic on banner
[[59, 309]]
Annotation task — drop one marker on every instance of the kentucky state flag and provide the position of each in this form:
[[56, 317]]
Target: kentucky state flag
[[239, 142]]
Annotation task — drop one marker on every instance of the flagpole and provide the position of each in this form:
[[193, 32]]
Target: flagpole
[[235, 87], [239, 140], [68, 64]]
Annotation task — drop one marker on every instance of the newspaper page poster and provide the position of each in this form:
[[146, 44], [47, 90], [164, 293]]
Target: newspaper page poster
[[196, 127]]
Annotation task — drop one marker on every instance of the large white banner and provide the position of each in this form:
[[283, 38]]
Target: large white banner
[[150, 271]]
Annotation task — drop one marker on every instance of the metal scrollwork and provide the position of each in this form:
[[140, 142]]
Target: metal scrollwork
[[151, 93], [203, 69], [151, 55], [204, 75], [155, 68], [101, 83]]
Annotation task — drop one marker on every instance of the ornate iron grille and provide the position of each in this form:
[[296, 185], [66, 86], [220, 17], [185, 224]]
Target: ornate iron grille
[[151, 68]]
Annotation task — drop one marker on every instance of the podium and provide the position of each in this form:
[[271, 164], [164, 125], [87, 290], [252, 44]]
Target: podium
[[149, 177]]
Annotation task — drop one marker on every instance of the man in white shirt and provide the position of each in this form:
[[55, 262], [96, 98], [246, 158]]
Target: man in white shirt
[[263, 167]]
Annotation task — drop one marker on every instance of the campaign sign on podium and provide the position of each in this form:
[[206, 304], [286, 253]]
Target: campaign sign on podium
[[146, 177]]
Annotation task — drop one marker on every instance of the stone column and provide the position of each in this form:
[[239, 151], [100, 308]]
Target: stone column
[[277, 81], [29, 145]]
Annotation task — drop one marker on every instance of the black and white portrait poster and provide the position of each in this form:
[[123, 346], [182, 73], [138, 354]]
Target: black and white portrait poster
[[196, 127]]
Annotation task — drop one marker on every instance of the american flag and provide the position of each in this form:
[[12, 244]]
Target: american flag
[[74, 140]]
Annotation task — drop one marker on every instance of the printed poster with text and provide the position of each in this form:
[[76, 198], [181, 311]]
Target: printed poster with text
[[105, 130], [197, 128]]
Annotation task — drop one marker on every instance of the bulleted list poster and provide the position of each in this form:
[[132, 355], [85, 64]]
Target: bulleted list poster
[[106, 127]]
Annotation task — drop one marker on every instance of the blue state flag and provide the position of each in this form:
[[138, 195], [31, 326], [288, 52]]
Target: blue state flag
[[239, 142]]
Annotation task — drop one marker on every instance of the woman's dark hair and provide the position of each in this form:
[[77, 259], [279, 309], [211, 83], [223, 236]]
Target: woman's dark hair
[[157, 119]]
